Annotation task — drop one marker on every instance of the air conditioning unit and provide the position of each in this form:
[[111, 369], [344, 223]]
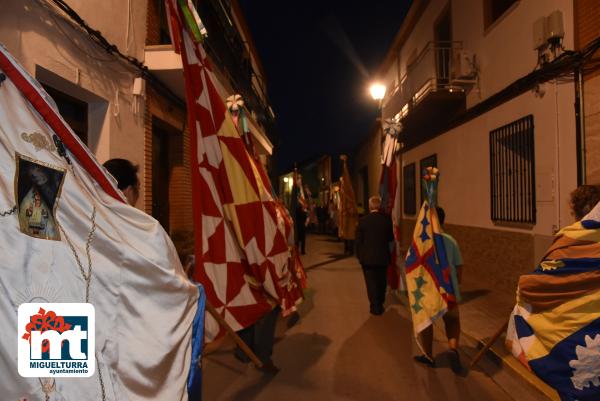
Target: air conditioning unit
[[463, 65]]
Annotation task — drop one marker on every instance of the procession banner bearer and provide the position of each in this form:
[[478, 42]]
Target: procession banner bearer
[[430, 278], [554, 329], [67, 237], [242, 253], [390, 192], [348, 210]]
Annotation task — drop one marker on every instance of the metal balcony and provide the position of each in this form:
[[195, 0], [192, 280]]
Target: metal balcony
[[426, 99]]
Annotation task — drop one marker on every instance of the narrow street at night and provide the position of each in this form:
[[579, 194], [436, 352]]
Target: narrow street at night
[[324, 200], [338, 351]]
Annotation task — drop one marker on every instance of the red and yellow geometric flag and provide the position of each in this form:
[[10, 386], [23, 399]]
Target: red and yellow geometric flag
[[243, 256]]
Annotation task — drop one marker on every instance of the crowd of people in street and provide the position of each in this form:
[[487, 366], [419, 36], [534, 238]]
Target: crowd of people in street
[[374, 241]]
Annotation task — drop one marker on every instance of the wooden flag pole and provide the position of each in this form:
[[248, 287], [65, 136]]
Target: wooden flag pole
[[243, 346], [488, 344]]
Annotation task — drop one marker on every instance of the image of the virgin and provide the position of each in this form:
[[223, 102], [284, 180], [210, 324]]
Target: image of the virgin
[[38, 186]]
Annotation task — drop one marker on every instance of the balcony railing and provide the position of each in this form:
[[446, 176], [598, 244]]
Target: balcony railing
[[230, 54], [430, 71]]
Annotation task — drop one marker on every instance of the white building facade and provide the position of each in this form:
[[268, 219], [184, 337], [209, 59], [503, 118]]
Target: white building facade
[[93, 88], [133, 106], [459, 76]]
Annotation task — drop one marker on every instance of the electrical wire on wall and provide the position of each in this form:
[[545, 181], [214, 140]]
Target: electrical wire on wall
[[110, 48]]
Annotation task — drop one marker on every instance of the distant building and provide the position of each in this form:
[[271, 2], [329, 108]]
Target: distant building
[[366, 163], [462, 77], [316, 173]]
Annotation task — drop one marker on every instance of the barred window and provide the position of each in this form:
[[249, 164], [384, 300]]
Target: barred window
[[72, 110], [410, 193], [512, 172]]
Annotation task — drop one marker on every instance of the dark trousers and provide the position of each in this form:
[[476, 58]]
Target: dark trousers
[[322, 227], [348, 247], [301, 238], [376, 281], [260, 337]]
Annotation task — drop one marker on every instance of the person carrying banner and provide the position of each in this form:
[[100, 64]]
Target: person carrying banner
[[554, 328], [102, 253], [452, 317], [374, 237], [260, 337], [348, 214], [299, 206], [430, 278], [242, 253]]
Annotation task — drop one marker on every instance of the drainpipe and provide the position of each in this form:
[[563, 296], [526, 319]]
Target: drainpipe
[[557, 182], [580, 127]]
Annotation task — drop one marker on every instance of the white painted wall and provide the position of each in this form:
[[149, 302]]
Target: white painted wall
[[504, 54], [52, 49], [504, 51], [422, 33], [464, 162]]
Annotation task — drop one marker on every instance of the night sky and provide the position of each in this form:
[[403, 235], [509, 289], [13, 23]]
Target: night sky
[[319, 57]]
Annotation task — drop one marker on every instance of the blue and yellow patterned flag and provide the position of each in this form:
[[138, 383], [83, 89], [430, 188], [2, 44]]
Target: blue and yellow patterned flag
[[428, 273], [554, 329]]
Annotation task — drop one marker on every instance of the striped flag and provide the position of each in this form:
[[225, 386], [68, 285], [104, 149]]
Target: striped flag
[[242, 252], [554, 329]]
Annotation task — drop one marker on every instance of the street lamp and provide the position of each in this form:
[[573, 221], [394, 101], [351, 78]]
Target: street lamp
[[377, 91]]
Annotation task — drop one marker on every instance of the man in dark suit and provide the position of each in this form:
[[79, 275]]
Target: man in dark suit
[[300, 215], [374, 237]]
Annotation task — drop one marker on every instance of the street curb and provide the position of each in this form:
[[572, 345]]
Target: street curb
[[516, 368], [504, 359]]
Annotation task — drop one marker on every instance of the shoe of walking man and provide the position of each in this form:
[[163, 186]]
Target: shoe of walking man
[[374, 240]]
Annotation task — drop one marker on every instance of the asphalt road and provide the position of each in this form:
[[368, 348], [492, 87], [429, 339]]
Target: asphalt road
[[338, 351]]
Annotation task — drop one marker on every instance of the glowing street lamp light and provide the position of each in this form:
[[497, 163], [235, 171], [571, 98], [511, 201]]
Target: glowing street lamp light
[[377, 91]]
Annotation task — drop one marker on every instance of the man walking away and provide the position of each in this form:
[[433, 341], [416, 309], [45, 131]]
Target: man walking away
[[451, 317], [300, 222], [374, 238]]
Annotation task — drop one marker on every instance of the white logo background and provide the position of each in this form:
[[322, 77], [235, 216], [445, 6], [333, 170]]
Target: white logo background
[[78, 366]]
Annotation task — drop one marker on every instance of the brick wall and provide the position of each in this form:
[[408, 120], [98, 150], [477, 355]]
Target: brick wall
[[180, 182], [493, 257], [587, 28], [587, 22], [153, 23]]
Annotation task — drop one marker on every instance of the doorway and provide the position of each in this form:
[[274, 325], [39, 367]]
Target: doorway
[[167, 152]]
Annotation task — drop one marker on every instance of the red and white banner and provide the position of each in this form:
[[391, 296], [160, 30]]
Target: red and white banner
[[243, 257]]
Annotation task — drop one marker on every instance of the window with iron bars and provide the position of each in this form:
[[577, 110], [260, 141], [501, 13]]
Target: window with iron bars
[[512, 172], [410, 190]]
